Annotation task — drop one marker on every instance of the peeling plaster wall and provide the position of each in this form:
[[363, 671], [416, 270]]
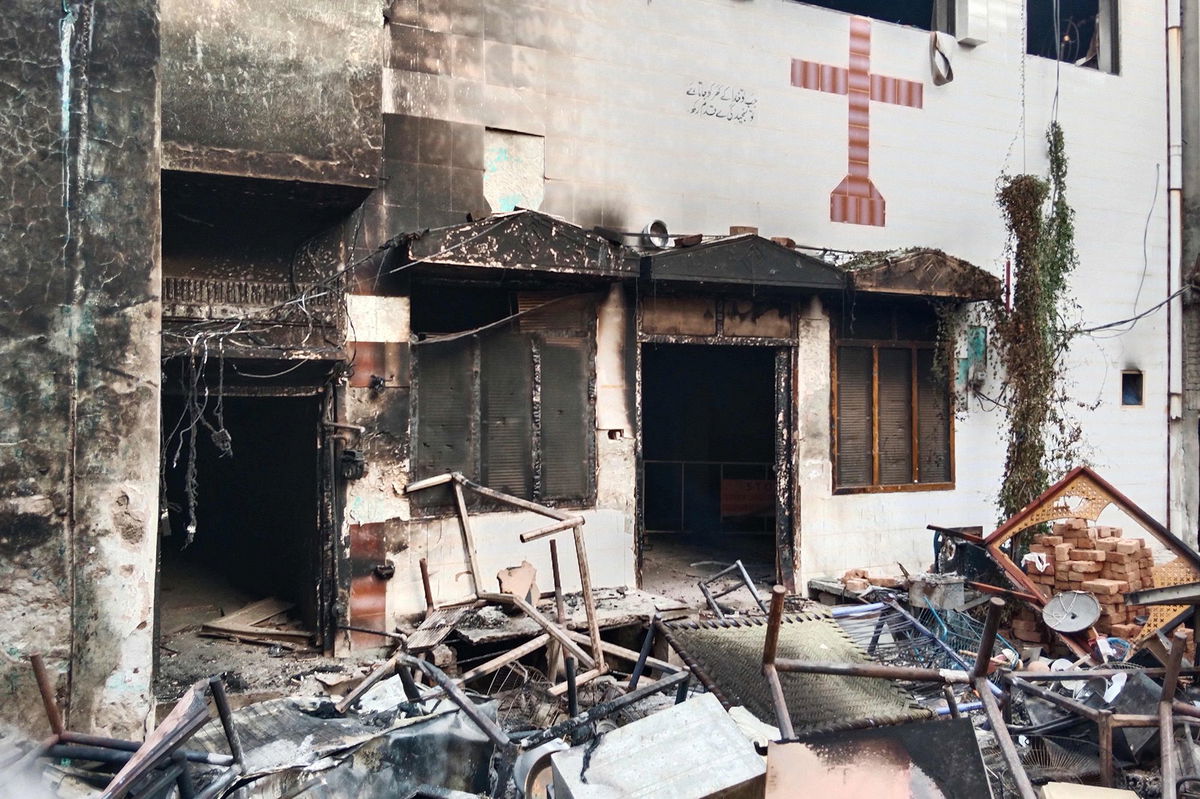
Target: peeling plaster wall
[[79, 313], [273, 88]]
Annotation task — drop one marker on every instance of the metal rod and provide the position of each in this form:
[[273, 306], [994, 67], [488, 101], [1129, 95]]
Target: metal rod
[[603, 709], [550, 627], [1104, 733], [209, 758], [93, 753], [996, 719], [681, 693], [589, 601], [411, 691], [647, 646], [783, 716], [775, 618], [231, 733], [876, 670], [1065, 702], [951, 702], [378, 674], [560, 605], [990, 626], [1088, 674], [750, 584], [712, 603], [426, 585], [572, 689], [550, 529], [46, 689]]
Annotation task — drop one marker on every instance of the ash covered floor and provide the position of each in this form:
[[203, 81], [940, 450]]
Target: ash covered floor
[[674, 564]]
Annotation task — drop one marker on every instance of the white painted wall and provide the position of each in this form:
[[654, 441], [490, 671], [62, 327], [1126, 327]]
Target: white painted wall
[[607, 83]]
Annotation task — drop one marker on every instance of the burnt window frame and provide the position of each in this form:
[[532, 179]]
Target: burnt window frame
[[843, 337], [437, 502], [941, 17], [1106, 27]]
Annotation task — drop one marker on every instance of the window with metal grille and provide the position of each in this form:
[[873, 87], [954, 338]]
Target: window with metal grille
[[509, 402], [892, 425]]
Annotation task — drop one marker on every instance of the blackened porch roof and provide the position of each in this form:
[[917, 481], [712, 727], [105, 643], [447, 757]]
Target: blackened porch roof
[[746, 259]]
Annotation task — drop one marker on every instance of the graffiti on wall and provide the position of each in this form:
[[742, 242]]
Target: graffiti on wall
[[722, 101]]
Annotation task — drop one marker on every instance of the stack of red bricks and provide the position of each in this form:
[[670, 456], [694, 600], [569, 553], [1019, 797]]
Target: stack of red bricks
[[1099, 560]]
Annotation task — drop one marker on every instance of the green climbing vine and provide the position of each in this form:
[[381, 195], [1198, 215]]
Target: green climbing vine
[[1031, 337]]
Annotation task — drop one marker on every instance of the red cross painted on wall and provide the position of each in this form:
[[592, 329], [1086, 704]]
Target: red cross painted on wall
[[856, 201]]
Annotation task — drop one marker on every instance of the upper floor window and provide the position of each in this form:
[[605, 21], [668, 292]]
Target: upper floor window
[[925, 14], [1080, 32], [892, 425]]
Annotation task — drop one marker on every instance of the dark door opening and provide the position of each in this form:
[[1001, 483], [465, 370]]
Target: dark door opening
[[709, 444], [257, 509]]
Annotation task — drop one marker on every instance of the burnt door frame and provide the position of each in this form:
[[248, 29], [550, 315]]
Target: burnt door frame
[[785, 415]]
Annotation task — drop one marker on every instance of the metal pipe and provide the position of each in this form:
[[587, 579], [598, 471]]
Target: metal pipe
[[231, 733], [990, 626], [46, 689], [208, 758], [572, 689], [996, 719], [681, 693], [647, 645], [951, 702], [426, 585], [1064, 702], [774, 619], [876, 670]]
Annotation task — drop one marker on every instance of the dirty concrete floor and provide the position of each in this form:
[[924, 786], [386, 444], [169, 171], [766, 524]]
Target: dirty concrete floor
[[674, 564], [191, 595]]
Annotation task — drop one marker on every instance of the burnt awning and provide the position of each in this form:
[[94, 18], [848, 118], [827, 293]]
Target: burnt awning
[[746, 259], [923, 272], [522, 240]]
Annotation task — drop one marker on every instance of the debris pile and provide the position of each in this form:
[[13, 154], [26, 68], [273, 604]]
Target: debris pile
[[1095, 559], [913, 689]]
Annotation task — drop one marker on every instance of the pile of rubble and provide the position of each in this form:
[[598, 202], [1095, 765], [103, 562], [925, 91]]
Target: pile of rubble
[[1070, 682]]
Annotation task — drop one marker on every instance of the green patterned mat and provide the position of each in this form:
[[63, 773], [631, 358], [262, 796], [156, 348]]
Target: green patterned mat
[[727, 657]]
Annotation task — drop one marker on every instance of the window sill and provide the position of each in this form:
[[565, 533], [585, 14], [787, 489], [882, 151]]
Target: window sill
[[893, 489]]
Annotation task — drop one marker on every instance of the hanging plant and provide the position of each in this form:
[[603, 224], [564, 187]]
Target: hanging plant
[[1031, 337]]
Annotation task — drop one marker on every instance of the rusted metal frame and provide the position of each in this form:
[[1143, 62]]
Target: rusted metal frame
[[1148, 522], [785, 483], [644, 655], [1000, 731], [1063, 702], [1166, 709], [550, 529], [554, 653], [987, 642], [951, 702], [783, 717], [875, 670], [603, 710]]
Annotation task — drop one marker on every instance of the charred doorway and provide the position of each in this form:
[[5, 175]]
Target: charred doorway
[[709, 448], [247, 486]]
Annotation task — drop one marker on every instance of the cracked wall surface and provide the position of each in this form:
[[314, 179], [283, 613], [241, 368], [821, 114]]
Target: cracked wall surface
[[273, 89], [79, 321]]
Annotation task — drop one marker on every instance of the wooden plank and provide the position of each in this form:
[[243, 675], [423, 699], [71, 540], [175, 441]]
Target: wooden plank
[[253, 613], [249, 629], [437, 625], [627, 654], [587, 676], [503, 660]]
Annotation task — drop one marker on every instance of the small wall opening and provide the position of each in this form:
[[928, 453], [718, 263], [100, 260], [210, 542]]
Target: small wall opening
[[256, 510], [1131, 388], [708, 441]]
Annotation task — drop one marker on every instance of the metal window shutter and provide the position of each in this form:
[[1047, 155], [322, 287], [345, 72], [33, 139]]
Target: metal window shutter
[[895, 416], [566, 421], [506, 413], [444, 413], [854, 416], [933, 421]]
